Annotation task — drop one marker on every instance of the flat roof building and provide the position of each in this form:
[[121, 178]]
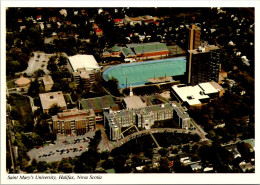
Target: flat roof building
[[74, 122], [51, 98], [133, 102], [47, 82], [198, 94], [98, 103], [88, 62]]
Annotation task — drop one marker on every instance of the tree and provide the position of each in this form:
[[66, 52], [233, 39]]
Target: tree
[[34, 88], [107, 164], [65, 167], [39, 73], [42, 166], [14, 114], [63, 61], [30, 169], [54, 109], [112, 85], [163, 152]]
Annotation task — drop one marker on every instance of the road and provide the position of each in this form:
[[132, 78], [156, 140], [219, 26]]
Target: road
[[155, 130]]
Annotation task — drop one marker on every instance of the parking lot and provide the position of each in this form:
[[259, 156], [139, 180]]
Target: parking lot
[[64, 147], [38, 61]]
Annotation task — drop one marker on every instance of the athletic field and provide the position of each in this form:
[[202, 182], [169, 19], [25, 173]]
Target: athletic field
[[138, 73]]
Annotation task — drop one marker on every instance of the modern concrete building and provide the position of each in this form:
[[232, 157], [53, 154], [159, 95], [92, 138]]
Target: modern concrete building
[[194, 37], [145, 118], [51, 98], [88, 62], [84, 68], [198, 94], [85, 77], [203, 64], [74, 122]]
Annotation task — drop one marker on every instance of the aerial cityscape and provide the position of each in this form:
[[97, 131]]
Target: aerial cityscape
[[130, 90]]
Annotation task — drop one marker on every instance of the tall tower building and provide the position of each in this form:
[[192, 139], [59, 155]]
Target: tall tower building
[[203, 64], [194, 37]]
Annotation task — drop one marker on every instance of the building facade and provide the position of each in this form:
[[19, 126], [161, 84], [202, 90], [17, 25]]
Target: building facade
[[145, 118], [74, 122], [194, 37], [203, 64]]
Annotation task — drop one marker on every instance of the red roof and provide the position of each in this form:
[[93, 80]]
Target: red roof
[[98, 30], [156, 22], [117, 20]]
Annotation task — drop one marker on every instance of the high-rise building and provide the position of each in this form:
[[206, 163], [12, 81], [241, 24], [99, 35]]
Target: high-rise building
[[203, 64], [194, 37]]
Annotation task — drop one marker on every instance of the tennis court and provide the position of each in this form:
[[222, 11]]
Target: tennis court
[[138, 73]]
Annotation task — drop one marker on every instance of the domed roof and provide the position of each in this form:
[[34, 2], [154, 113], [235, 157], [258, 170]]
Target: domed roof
[[23, 81]]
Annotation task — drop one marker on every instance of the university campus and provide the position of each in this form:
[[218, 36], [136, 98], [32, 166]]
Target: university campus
[[130, 90]]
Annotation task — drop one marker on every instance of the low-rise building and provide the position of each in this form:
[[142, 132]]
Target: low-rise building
[[133, 102], [52, 98], [132, 20], [118, 22], [22, 83], [198, 94], [150, 50], [246, 166], [74, 122], [47, 82], [144, 51], [98, 31], [84, 68], [85, 77], [82, 61]]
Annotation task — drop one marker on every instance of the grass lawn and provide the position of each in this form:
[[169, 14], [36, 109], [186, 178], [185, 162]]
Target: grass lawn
[[23, 107], [11, 84], [169, 123], [128, 132]]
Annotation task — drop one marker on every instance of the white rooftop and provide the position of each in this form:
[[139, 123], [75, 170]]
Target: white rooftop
[[193, 94], [83, 61], [190, 94], [208, 88], [134, 102]]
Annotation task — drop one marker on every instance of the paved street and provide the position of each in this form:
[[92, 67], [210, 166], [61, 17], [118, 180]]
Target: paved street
[[64, 147]]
